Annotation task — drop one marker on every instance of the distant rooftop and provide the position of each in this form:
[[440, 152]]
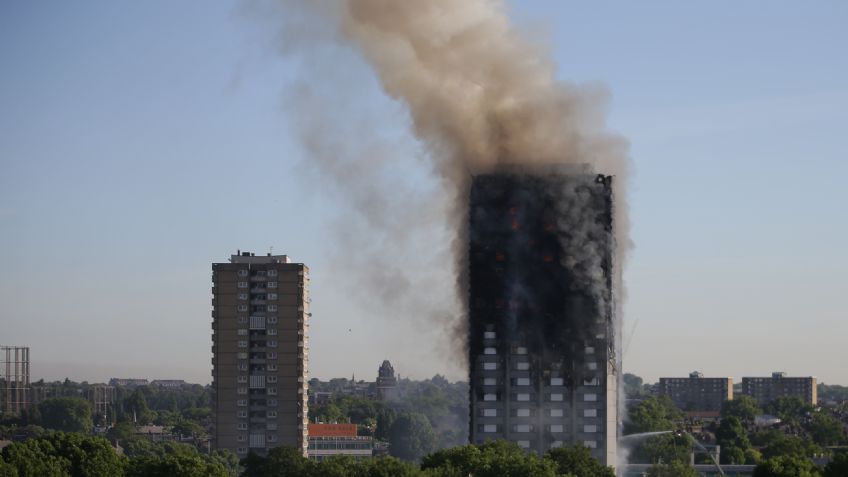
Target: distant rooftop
[[250, 257]]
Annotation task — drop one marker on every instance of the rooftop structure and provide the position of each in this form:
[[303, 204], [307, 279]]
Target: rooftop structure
[[697, 393], [765, 389]]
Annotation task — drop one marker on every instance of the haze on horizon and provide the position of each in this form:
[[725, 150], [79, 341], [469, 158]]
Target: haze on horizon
[[140, 143]]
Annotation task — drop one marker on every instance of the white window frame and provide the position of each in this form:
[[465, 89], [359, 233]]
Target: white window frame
[[242, 285]]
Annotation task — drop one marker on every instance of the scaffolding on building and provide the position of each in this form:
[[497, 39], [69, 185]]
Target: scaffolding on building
[[15, 368]]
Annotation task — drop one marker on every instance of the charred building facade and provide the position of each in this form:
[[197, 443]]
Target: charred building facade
[[542, 325]]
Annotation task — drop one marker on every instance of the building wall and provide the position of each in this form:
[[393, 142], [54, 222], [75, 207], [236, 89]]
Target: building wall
[[543, 367], [260, 353], [697, 393], [765, 389]]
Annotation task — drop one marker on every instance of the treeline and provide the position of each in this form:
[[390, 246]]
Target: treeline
[[60, 454], [805, 432], [421, 417]]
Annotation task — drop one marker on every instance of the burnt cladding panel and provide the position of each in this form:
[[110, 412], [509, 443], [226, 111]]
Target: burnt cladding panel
[[540, 256]]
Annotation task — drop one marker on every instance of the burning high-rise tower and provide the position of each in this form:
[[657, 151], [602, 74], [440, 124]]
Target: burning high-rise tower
[[542, 319]]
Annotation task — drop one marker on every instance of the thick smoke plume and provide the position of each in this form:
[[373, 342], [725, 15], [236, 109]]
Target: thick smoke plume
[[478, 96]]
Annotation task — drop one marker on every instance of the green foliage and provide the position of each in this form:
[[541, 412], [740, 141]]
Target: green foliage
[[578, 460], [733, 439], [175, 465], [60, 453], [491, 459], [825, 430], [7, 470], [744, 408], [281, 461], [787, 466], [411, 436], [67, 414], [782, 445], [674, 469], [838, 467], [788, 408], [666, 448], [653, 414]]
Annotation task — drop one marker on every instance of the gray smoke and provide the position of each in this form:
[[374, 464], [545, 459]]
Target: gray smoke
[[476, 94]]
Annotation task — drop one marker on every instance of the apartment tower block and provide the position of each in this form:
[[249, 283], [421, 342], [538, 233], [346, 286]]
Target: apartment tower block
[[260, 325], [542, 334]]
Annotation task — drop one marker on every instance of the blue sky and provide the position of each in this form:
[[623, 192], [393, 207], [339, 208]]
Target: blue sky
[[140, 142]]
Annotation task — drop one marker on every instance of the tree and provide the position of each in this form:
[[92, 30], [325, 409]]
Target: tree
[[800, 447], [281, 461], [674, 469], [744, 408], [733, 439], [490, 459], [653, 414], [35, 458], [825, 430], [175, 465], [7, 470], [665, 448], [786, 466], [411, 436], [68, 414], [88, 456], [788, 408], [838, 467], [578, 460]]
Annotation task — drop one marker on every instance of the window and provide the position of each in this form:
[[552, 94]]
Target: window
[[242, 426], [242, 344], [272, 296], [522, 428], [556, 444], [241, 438], [590, 397], [556, 412], [242, 356], [272, 367], [520, 350], [489, 350], [242, 319], [556, 427], [272, 402], [590, 413], [592, 366], [272, 355], [590, 428], [272, 273], [490, 413], [272, 331], [522, 397], [556, 382], [490, 428], [490, 397], [488, 335], [242, 296], [241, 391], [590, 350], [241, 402], [591, 444], [272, 414], [272, 307], [242, 273], [242, 332], [591, 382], [241, 450], [272, 320], [242, 284], [272, 284], [272, 379], [522, 381], [490, 366], [523, 444], [272, 343], [242, 308], [242, 414], [272, 438], [522, 365], [556, 396], [272, 391], [490, 381], [522, 412], [242, 379], [242, 366]]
